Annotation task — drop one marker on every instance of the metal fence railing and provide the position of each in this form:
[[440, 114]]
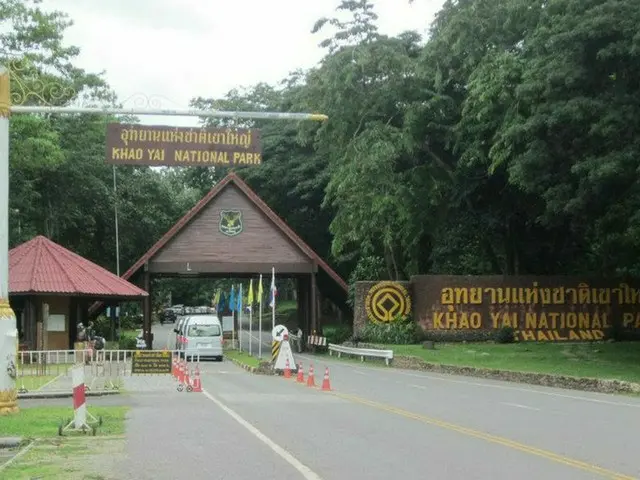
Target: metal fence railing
[[50, 370]]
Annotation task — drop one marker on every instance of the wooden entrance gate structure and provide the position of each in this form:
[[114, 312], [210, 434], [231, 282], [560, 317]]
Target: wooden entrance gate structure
[[231, 232]]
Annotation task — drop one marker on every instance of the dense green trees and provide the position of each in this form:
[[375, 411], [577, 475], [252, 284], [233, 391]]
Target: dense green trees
[[505, 143]]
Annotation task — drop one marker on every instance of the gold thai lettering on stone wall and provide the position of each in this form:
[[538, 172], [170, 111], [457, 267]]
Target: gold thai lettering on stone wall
[[537, 325]]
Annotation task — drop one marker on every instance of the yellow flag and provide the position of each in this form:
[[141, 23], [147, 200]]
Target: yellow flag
[[216, 299], [260, 289], [250, 296]]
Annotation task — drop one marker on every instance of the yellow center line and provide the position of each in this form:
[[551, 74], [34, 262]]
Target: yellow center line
[[489, 438]]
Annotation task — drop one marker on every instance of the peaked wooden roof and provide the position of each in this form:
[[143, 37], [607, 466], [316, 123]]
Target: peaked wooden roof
[[234, 179], [41, 266]]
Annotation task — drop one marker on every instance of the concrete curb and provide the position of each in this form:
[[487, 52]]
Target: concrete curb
[[89, 393], [543, 379]]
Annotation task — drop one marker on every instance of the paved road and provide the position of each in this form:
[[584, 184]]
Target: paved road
[[163, 336], [381, 423], [584, 426]]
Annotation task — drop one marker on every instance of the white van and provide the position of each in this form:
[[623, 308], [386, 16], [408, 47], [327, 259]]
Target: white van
[[203, 335]]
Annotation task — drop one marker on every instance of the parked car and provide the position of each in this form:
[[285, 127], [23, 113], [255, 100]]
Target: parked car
[[168, 315]]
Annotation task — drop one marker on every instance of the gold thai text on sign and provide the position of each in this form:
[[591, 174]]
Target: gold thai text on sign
[[151, 362], [539, 313], [182, 146]]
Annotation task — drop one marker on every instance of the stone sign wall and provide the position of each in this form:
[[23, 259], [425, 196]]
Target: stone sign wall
[[537, 308]]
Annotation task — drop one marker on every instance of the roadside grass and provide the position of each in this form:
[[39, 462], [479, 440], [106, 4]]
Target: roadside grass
[[69, 458], [612, 361], [243, 357], [42, 422]]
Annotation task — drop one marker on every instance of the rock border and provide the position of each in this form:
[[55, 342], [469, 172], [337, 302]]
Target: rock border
[[261, 370], [530, 378]]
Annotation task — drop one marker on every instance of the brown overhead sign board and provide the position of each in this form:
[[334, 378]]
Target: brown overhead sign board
[[160, 146]]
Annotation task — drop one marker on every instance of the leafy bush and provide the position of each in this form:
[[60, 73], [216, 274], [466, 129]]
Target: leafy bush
[[336, 333], [403, 331], [506, 335], [450, 336], [102, 326], [127, 343]]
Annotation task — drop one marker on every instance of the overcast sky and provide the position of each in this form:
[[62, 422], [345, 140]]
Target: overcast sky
[[174, 50]]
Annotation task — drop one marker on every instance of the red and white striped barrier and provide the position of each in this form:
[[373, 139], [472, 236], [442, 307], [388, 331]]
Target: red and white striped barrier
[[79, 399]]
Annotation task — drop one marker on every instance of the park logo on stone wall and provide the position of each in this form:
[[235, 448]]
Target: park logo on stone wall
[[230, 222], [130, 144], [386, 302]]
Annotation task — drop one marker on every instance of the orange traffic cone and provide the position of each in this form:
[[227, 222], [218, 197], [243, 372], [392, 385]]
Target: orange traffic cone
[[325, 381], [310, 379], [181, 369], [287, 370], [187, 378], [300, 378], [197, 383]]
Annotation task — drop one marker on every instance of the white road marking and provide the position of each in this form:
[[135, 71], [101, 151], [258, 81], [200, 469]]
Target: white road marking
[[360, 373], [517, 405], [487, 385], [526, 390], [305, 471]]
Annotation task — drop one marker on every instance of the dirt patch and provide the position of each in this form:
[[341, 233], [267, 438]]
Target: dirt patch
[[559, 381]]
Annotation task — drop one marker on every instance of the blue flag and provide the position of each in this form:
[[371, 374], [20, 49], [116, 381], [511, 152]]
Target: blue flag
[[232, 299], [221, 302], [239, 307]]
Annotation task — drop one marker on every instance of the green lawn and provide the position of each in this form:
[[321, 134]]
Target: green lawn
[[620, 360], [39, 422], [243, 357]]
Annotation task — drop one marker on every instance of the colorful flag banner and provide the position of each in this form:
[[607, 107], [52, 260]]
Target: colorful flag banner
[[250, 296], [272, 298], [232, 299], [260, 296]]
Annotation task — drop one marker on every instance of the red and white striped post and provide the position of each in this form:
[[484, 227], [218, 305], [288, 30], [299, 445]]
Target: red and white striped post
[[79, 400]]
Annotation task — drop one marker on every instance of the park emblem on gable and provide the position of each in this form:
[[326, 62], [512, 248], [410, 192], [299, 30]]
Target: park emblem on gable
[[386, 302], [230, 222]]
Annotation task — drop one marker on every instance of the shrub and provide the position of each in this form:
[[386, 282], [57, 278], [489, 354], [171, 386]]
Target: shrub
[[505, 335], [102, 326], [450, 336], [336, 334], [127, 343], [403, 331]]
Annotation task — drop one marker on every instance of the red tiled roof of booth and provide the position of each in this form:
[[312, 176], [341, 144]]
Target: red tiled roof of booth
[[43, 266]]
